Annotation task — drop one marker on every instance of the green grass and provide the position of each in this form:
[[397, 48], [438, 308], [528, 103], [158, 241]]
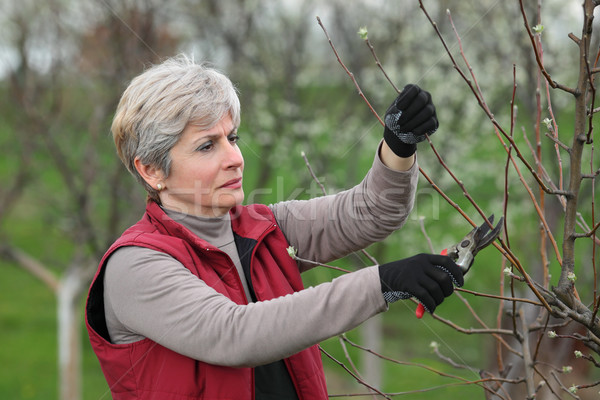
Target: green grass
[[28, 336], [29, 355]]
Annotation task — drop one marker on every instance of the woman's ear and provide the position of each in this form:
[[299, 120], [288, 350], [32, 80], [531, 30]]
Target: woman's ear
[[152, 175]]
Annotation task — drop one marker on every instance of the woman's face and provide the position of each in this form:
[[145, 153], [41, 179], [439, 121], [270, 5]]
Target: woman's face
[[206, 171]]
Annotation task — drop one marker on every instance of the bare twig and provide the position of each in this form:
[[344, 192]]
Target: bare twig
[[551, 81], [587, 386], [479, 382], [449, 360], [350, 74], [544, 235], [347, 355], [492, 296], [358, 379], [562, 386], [557, 142], [593, 206], [316, 179], [372, 49], [312, 173], [424, 231], [588, 233], [318, 264]]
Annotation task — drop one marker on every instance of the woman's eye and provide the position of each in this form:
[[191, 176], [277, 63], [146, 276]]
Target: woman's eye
[[234, 138], [205, 146]]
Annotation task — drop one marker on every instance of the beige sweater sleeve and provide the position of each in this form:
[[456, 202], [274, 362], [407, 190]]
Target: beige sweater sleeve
[[200, 323], [330, 227]]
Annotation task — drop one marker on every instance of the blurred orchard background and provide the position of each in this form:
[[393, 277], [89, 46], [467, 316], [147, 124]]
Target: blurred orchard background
[[508, 143]]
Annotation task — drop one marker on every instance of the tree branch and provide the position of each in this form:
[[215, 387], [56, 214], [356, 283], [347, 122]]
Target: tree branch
[[500, 132], [358, 379], [350, 74], [538, 59], [31, 265]]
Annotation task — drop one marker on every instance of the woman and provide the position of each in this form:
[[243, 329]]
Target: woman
[[200, 299]]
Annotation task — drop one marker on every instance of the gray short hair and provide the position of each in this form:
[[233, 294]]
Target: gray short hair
[[157, 106]]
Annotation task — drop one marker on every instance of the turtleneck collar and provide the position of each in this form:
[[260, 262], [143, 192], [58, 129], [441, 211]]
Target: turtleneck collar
[[215, 230]]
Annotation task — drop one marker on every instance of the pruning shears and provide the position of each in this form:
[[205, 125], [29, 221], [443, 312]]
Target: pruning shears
[[463, 253]]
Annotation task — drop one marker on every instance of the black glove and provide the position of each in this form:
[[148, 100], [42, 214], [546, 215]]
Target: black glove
[[408, 119], [428, 277]]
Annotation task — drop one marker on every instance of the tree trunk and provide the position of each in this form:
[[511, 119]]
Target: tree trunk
[[372, 336], [69, 338]]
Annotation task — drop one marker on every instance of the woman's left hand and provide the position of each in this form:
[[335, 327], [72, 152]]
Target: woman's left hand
[[410, 117]]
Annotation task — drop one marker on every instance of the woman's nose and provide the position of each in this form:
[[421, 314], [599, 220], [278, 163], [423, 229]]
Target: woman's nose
[[233, 157]]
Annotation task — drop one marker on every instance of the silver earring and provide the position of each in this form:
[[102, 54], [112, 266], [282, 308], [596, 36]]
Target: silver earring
[[159, 187]]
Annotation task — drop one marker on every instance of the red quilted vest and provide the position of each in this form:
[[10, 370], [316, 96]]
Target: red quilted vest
[[149, 371]]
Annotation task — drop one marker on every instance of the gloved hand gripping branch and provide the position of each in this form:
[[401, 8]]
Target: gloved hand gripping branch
[[428, 277], [410, 117]]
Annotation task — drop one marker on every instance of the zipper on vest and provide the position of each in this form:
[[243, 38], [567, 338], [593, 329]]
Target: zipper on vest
[[259, 240], [232, 267]]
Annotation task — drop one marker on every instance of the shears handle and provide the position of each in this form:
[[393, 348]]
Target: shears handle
[[420, 309]]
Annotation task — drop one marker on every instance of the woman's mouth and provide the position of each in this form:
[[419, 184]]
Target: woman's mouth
[[233, 184]]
